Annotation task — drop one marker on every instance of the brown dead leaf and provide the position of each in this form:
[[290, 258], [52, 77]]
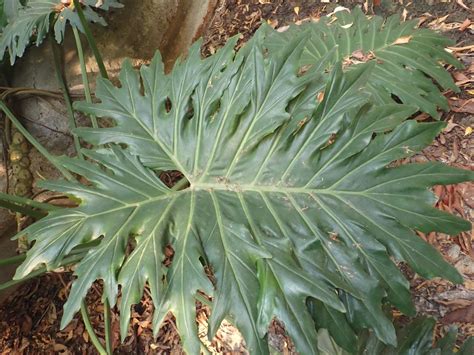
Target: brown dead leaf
[[467, 22], [435, 24], [465, 106], [422, 116], [404, 14], [469, 284], [272, 23], [460, 77], [463, 315], [462, 49], [463, 5], [402, 40], [60, 348], [26, 325], [450, 126]]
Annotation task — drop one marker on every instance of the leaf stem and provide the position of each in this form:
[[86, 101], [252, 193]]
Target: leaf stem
[[31, 275], [108, 326], [85, 79], [27, 202], [90, 39], [51, 158], [203, 300], [180, 184], [90, 329], [13, 260], [67, 99], [22, 205]]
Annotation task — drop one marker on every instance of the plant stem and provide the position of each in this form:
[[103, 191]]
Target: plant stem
[[108, 326], [67, 99], [31, 275], [21, 209], [90, 39], [23, 201], [203, 299], [90, 330], [85, 79], [52, 159], [180, 184], [13, 260]]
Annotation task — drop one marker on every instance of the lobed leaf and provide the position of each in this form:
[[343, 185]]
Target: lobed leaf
[[35, 19], [292, 205], [408, 60]]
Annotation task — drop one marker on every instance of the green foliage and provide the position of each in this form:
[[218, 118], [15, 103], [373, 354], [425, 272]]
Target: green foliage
[[292, 202], [407, 59], [414, 338], [35, 19], [3, 17]]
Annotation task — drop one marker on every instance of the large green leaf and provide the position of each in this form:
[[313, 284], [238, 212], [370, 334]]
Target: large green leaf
[[291, 201], [408, 59], [414, 338], [3, 16], [35, 18]]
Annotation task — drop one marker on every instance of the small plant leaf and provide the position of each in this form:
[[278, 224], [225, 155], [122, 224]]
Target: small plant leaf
[[34, 19]]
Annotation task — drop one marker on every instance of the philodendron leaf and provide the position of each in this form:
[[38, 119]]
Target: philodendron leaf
[[408, 59], [291, 197], [35, 18], [414, 338]]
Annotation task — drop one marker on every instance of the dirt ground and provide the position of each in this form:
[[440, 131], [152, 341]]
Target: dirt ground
[[29, 319]]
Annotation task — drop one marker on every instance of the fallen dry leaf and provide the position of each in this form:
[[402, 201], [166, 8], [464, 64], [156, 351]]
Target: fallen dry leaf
[[467, 22], [469, 284], [463, 5], [466, 106], [463, 315], [402, 40]]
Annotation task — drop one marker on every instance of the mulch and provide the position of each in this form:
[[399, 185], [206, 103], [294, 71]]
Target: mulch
[[29, 319]]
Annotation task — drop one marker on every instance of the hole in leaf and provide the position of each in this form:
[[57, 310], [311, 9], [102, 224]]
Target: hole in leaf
[[189, 112], [169, 254], [168, 105], [139, 308], [396, 99], [172, 177]]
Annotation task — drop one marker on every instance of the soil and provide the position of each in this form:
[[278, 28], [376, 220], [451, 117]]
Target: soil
[[29, 319]]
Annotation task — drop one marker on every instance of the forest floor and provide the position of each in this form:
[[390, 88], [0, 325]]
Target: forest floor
[[29, 319]]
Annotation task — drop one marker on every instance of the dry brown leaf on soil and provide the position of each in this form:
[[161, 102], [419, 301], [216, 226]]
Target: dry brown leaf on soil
[[467, 22], [402, 40], [462, 49], [463, 5], [463, 315], [459, 105], [461, 78]]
